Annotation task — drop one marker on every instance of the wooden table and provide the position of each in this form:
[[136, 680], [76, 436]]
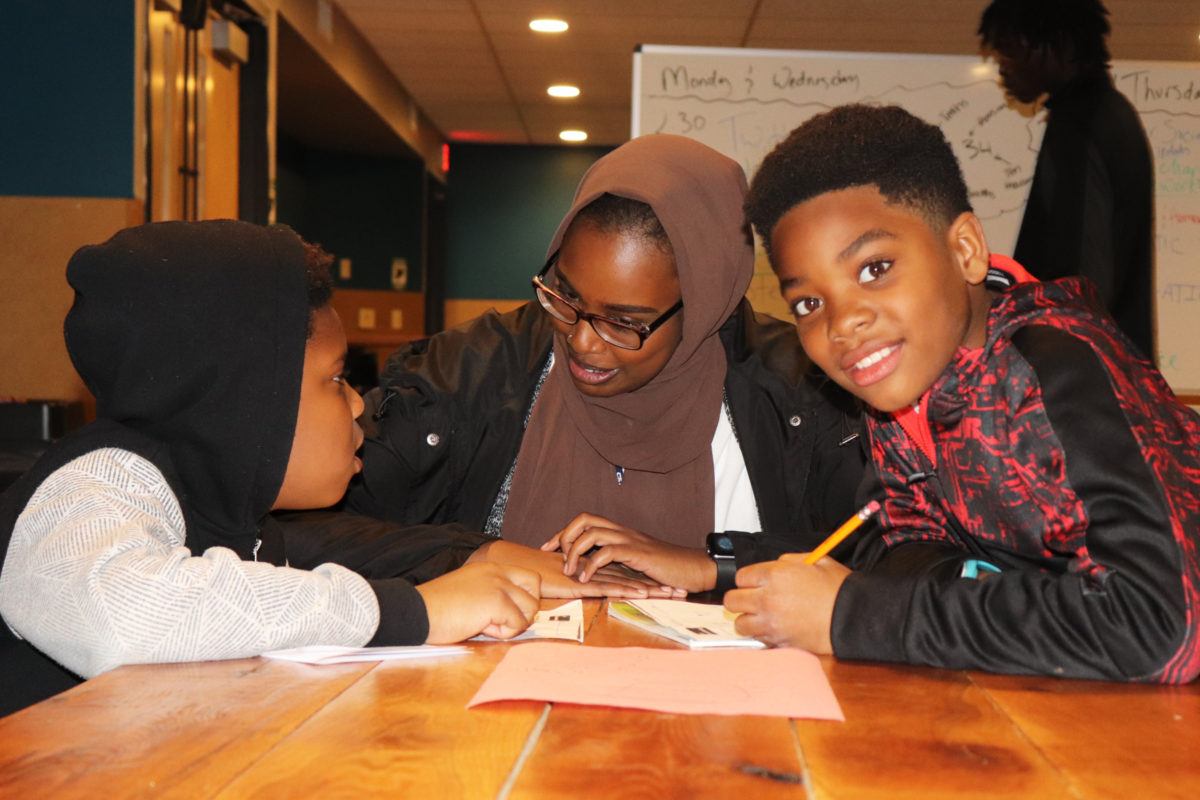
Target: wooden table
[[259, 728]]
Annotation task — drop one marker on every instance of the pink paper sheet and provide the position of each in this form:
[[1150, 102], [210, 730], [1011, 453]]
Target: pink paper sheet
[[773, 683]]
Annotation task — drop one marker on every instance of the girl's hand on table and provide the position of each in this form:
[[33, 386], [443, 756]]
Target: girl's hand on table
[[591, 544]]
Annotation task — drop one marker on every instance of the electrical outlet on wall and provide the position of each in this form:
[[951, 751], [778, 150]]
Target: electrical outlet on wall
[[366, 318]]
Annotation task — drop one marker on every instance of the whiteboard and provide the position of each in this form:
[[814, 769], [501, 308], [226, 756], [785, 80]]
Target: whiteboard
[[742, 102]]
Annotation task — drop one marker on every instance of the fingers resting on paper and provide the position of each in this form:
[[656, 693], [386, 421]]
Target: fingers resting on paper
[[515, 615], [590, 544], [497, 599], [611, 582]]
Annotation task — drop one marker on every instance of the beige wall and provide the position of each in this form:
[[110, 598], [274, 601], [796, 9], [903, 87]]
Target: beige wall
[[380, 321], [37, 237]]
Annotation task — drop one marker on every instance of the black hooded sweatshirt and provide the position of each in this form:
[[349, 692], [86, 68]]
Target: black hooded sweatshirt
[[191, 337]]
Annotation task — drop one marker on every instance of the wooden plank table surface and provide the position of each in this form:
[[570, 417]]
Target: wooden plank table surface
[[260, 728]]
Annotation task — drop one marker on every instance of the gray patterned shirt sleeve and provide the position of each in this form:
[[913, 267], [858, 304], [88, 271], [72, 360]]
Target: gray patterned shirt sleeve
[[97, 575]]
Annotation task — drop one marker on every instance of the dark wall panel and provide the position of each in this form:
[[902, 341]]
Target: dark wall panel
[[66, 98], [365, 208], [504, 203]]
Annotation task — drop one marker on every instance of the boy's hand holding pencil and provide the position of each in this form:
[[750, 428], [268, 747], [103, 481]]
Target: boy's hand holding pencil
[[789, 602]]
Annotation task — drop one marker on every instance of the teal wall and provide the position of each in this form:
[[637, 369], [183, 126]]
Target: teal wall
[[366, 208], [66, 98], [504, 203]]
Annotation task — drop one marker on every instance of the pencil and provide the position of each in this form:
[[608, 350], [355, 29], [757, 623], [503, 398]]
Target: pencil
[[848, 527]]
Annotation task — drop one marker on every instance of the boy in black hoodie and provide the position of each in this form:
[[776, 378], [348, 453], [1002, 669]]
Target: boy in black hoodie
[[216, 363]]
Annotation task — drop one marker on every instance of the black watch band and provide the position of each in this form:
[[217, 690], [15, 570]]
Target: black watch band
[[720, 550], [726, 572]]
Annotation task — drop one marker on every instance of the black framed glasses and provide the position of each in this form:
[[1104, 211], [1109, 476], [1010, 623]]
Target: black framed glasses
[[618, 333]]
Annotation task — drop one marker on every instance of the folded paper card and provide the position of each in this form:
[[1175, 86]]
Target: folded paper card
[[563, 622], [773, 683], [333, 654], [698, 625]]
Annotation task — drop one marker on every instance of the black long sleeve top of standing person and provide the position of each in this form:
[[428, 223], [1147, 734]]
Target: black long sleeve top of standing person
[[1091, 205]]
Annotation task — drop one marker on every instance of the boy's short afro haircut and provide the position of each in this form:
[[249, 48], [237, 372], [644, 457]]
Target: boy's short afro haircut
[[908, 160]]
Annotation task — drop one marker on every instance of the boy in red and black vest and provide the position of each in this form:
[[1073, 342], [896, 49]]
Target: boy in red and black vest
[[1040, 483]]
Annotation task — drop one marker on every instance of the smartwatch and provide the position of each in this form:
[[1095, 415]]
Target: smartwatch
[[720, 550]]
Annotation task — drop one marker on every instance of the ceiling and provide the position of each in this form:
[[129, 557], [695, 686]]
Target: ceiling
[[347, 123], [481, 74]]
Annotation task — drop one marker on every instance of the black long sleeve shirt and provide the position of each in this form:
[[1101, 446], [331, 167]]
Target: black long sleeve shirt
[[1091, 205]]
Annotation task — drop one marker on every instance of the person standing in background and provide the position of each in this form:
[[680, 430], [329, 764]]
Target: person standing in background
[[1091, 206]]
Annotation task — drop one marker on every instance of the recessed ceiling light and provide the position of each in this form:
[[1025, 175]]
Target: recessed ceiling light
[[573, 136], [563, 90], [548, 25]]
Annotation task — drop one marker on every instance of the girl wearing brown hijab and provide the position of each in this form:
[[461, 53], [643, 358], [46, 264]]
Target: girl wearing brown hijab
[[639, 392]]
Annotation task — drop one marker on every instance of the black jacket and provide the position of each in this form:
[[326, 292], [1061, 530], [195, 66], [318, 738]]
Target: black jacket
[[1066, 461], [450, 411], [1091, 205]]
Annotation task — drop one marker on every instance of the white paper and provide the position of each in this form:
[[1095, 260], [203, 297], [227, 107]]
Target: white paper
[[332, 654], [698, 625], [564, 622]]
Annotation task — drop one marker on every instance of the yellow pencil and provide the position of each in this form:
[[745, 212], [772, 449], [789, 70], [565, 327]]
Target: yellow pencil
[[848, 527]]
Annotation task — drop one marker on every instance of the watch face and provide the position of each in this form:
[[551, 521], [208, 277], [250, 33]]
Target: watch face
[[720, 544]]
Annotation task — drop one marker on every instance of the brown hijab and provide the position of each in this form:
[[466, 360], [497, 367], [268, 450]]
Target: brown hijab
[[661, 433]]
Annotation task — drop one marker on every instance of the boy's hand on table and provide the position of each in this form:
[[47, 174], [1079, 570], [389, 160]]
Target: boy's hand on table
[[496, 599], [611, 581], [687, 569], [788, 603]]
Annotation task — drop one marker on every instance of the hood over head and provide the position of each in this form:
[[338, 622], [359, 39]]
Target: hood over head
[[644, 458], [697, 195], [193, 334]]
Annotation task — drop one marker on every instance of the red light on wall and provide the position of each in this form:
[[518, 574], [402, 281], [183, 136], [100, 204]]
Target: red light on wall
[[485, 136], [445, 156]]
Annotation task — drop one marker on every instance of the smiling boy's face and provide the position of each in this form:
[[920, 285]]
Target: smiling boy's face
[[322, 460], [881, 299]]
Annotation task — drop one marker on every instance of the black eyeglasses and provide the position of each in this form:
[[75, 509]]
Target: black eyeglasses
[[618, 333]]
